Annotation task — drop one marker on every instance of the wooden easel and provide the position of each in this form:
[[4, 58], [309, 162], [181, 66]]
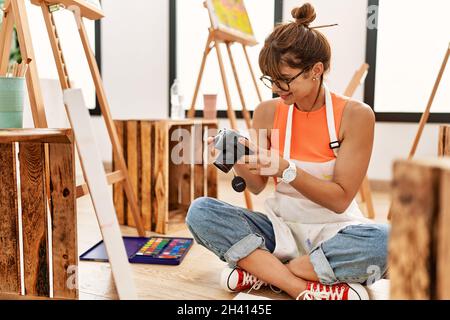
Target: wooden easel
[[426, 114], [15, 14], [364, 191], [216, 37]]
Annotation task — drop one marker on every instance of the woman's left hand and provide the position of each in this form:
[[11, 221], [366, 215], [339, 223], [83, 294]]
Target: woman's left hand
[[263, 162]]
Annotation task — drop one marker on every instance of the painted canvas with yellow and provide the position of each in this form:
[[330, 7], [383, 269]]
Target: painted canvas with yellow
[[231, 16]]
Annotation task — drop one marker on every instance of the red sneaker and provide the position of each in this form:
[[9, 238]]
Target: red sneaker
[[236, 280], [341, 291]]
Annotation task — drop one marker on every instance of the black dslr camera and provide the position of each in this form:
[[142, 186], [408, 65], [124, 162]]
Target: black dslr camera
[[230, 151]]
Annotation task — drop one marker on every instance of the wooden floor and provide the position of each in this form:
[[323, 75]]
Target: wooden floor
[[197, 278]]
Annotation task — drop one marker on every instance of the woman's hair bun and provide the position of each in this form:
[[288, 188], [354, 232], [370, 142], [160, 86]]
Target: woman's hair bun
[[304, 15]]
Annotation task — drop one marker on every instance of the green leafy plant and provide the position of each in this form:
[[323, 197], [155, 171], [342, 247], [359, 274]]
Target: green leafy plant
[[14, 55]]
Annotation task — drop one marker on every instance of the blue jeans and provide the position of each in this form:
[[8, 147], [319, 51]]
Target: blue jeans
[[357, 254]]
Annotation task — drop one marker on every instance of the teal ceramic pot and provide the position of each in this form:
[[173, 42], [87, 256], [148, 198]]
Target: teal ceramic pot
[[11, 102]]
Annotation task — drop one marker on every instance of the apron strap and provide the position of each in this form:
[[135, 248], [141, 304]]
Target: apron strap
[[334, 142], [288, 134]]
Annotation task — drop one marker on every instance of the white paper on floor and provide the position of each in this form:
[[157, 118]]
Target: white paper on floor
[[246, 296]]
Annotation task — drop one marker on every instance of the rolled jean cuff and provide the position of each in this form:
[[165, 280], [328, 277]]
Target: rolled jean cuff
[[322, 267], [244, 248]]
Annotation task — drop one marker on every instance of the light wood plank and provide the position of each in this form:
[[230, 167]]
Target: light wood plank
[[34, 219], [160, 170], [146, 177], [132, 164], [35, 135], [118, 192], [9, 227], [444, 141], [152, 174], [64, 221], [113, 178], [443, 239], [94, 175], [186, 168], [199, 168], [175, 136], [211, 172]]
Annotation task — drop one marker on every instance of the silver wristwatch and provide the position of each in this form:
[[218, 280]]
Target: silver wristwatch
[[290, 173]]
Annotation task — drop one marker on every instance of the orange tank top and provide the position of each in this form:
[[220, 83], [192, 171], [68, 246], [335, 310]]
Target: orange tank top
[[310, 138]]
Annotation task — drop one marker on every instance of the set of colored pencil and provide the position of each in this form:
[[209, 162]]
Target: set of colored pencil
[[17, 70]]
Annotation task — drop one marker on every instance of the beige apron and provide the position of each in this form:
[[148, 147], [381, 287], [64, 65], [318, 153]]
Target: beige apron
[[299, 224]]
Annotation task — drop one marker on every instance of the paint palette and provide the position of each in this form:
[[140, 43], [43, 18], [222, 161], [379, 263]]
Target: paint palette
[[154, 250], [165, 248]]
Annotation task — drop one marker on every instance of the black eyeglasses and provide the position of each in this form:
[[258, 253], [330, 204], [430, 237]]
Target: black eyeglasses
[[284, 85]]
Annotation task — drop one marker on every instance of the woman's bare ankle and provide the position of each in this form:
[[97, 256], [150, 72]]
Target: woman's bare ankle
[[296, 287]]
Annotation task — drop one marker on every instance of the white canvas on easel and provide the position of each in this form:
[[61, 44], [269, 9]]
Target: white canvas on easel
[[94, 174]]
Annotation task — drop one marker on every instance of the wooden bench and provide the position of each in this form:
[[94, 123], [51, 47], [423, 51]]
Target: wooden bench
[[164, 189], [37, 184]]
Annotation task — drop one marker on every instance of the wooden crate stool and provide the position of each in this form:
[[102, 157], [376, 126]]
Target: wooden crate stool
[[419, 248], [165, 189], [28, 192]]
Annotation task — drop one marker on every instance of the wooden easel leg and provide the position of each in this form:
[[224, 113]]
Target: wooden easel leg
[[357, 80], [230, 111], [191, 112], [426, 114], [56, 47], [258, 92], [101, 95], [364, 191], [6, 30], [367, 198], [27, 52], [245, 112]]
